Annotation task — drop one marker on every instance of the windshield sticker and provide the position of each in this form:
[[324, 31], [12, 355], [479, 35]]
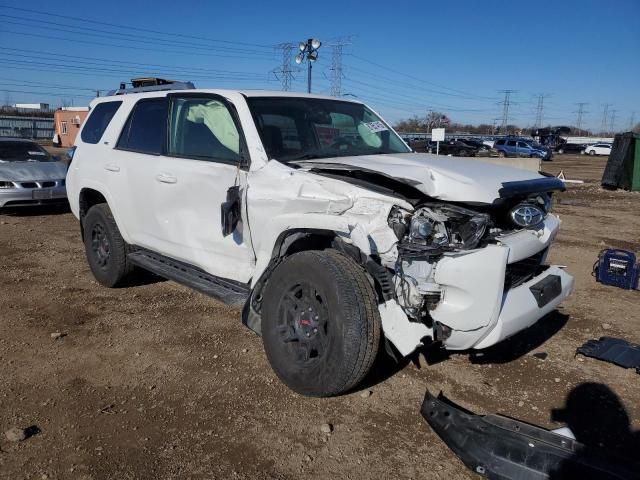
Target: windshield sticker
[[36, 153], [375, 127]]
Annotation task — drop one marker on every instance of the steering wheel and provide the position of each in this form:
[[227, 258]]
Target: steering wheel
[[339, 141]]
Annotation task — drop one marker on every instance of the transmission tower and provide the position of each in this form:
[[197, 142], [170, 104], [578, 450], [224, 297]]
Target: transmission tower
[[612, 121], [605, 116], [632, 121], [540, 111], [336, 64], [505, 107], [284, 73], [581, 112]]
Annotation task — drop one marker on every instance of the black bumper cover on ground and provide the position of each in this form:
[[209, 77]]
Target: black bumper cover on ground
[[498, 447], [613, 350]]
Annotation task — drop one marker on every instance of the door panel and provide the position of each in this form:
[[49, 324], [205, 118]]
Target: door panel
[[188, 213]]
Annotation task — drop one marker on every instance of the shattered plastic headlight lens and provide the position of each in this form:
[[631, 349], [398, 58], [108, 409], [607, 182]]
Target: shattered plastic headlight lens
[[440, 225]]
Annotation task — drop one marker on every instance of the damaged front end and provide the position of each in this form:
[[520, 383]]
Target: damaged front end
[[499, 447], [474, 276]]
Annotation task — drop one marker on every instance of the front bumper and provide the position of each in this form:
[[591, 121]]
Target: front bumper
[[481, 305], [20, 197]]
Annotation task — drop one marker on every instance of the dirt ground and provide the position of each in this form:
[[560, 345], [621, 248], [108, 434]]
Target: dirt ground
[[159, 382]]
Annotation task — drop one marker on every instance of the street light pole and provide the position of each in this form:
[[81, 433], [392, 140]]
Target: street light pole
[[308, 52]]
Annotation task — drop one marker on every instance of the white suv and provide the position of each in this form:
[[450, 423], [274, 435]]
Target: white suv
[[314, 216], [598, 149]]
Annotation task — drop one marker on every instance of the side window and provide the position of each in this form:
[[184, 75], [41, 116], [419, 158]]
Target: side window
[[146, 127], [499, 143], [522, 145], [511, 143], [98, 121], [203, 128]]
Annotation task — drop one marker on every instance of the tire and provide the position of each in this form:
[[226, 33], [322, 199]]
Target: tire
[[501, 154], [462, 153], [592, 152], [320, 323], [561, 151], [105, 248]]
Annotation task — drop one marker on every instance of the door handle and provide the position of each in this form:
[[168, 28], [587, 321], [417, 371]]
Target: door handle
[[166, 178], [112, 167]]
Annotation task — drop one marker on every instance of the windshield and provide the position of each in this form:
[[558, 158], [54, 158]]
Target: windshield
[[306, 128], [23, 152]]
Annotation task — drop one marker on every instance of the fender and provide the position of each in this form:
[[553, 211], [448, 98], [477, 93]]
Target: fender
[[102, 190]]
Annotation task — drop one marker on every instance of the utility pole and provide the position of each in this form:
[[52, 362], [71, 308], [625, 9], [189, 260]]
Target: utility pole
[[505, 107], [612, 122], [285, 73], [605, 116], [539, 111], [581, 112]]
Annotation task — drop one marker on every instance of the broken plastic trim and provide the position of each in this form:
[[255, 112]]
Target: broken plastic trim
[[525, 187], [613, 350], [498, 447]]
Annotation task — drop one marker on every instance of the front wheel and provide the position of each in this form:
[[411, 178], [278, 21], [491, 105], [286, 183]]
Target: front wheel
[[501, 154], [592, 152], [561, 151], [320, 323]]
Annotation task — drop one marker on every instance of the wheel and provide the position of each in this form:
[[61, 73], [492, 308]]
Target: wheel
[[320, 323], [105, 248], [501, 154], [561, 151], [462, 153], [592, 152]]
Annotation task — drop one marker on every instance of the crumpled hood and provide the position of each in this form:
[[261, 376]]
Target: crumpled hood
[[445, 178], [32, 171]]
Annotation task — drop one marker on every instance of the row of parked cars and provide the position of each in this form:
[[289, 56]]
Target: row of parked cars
[[504, 147], [601, 148]]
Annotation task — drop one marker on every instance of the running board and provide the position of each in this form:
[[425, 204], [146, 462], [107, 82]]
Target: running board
[[228, 291]]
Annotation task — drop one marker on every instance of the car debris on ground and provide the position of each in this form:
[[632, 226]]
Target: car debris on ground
[[613, 350], [499, 447]]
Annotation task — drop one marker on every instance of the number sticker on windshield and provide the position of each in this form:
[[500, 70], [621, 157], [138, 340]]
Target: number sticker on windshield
[[36, 153], [375, 127]]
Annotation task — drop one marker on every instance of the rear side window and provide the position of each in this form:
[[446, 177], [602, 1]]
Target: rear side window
[[500, 142], [511, 143], [98, 121], [146, 127]]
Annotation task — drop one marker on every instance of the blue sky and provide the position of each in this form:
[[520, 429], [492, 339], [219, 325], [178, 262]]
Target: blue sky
[[404, 58]]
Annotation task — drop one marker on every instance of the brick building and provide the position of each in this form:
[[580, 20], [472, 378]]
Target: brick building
[[67, 121]]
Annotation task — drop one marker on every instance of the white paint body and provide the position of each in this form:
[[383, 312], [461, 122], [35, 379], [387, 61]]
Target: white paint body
[[172, 206]]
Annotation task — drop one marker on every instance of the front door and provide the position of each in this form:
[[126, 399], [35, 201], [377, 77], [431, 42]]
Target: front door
[[202, 161]]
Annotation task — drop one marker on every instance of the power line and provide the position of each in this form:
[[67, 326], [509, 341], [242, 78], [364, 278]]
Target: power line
[[132, 28]]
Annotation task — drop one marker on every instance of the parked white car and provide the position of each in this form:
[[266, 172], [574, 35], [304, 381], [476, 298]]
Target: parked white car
[[598, 149], [313, 215]]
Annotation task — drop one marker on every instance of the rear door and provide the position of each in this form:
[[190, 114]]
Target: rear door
[[134, 160], [204, 158], [511, 147]]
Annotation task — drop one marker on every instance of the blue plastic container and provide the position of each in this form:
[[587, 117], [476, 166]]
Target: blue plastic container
[[617, 268]]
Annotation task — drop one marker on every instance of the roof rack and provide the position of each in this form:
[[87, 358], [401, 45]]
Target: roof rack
[[151, 84]]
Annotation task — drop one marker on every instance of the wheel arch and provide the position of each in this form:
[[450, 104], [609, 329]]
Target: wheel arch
[[296, 240], [90, 196]]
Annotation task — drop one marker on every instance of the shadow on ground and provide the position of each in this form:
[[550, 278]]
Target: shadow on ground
[[36, 210], [598, 419]]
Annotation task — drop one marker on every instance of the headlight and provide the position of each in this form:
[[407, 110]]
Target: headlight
[[439, 226]]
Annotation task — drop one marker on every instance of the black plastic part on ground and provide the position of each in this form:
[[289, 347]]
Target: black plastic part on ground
[[501, 448], [613, 350]]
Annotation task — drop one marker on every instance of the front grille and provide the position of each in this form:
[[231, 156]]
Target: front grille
[[522, 271], [47, 184], [28, 184]]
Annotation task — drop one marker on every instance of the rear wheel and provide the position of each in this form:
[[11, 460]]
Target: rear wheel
[[105, 248], [561, 151], [592, 152], [320, 323], [501, 154]]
